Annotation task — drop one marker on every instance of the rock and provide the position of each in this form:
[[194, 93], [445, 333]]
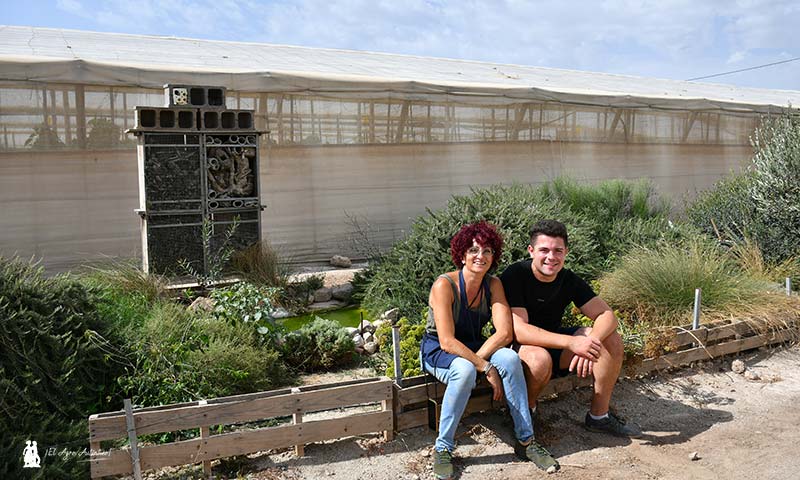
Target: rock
[[323, 295], [391, 315], [358, 340], [201, 303], [367, 326], [368, 337], [280, 313], [751, 375], [342, 292], [310, 298], [378, 323], [737, 366], [341, 261], [694, 456], [371, 347], [351, 331], [360, 350]]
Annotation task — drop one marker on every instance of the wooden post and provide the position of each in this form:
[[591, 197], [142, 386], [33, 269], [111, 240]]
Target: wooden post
[[387, 405], [80, 115], [205, 432], [137, 466], [297, 417]]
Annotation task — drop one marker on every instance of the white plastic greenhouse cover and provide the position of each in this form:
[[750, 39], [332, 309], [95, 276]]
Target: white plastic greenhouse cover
[[34, 54]]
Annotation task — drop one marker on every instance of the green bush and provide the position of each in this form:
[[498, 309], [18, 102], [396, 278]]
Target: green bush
[[761, 204], [603, 221], [775, 188], [321, 344], [246, 303], [182, 356], [726, 211], [58, 364], [656, 285], [410, 338]]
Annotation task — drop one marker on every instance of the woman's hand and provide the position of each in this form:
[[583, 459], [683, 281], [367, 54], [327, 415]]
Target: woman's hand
[[493, 376]]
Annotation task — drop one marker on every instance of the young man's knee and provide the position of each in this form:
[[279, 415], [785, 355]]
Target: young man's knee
[[538, 362]]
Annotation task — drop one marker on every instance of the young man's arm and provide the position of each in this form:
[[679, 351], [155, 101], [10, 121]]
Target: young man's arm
[[527, 334], [604, 321]]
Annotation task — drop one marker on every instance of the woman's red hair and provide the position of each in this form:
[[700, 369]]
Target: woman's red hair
[[484, 233]]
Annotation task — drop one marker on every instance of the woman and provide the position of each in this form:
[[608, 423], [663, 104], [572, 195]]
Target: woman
[[455, 352]]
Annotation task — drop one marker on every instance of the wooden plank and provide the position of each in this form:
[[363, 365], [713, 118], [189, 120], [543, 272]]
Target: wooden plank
[[241, 443], [172, 419], [699, 353], [420, 393], [244, 397], [411, 419]]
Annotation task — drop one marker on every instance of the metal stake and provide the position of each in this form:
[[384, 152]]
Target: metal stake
[[696, 317], [788, 286], [398, 371]]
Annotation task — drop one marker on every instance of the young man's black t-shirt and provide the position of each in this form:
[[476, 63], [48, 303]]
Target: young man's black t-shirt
[[544, 301]]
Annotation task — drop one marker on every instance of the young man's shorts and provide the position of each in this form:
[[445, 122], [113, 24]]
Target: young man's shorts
[[555, 353]]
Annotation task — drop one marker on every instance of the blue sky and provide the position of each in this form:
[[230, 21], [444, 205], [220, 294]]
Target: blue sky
[[678, 39]]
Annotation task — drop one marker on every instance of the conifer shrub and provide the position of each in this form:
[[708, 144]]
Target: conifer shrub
[[318, 345], [58, 364]]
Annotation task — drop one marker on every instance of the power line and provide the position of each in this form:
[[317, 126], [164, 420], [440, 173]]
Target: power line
[[744, 69]]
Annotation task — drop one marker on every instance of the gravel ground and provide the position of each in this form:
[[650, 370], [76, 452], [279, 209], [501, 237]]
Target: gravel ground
[[733, 427], [701, 422]]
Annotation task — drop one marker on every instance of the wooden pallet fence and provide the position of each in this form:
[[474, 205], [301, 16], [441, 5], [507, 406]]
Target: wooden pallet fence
[[686, 346], [293, 403]]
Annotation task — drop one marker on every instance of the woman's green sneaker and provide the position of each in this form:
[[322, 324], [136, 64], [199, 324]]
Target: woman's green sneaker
[[537, 454], [443, 465]]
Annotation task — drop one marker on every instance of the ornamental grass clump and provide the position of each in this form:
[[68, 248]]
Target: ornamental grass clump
[[656, 286]]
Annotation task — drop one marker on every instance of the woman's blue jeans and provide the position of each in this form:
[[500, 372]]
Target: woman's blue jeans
[[460, 380]]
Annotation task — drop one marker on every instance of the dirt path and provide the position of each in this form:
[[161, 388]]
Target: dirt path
[[740, 428]]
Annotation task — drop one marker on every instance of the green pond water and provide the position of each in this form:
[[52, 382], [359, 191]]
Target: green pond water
[[347, 317]]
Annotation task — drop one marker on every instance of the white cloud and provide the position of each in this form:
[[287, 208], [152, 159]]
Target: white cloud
[[667, 38]]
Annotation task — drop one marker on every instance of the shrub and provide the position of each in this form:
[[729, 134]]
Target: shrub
[[58, 364], [656, 285], [260, 264], [762, 203], [775, 189], [246, 303], [181, 356], [726, 211], [410, 338], [318, 345], [125, 294], [603, 221]]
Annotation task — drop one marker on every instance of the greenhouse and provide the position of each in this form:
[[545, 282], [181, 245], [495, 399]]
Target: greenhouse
[[353, 137]]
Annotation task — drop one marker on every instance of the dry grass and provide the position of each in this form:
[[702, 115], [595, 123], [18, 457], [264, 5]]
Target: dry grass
[[656, 287]]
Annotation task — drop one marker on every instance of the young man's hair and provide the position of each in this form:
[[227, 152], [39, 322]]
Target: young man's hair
[[551, 228]]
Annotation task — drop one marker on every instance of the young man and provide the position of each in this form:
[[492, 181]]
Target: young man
[[538, 291]]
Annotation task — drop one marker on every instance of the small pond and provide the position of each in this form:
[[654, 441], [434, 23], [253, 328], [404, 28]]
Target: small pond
[[347, 317]]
